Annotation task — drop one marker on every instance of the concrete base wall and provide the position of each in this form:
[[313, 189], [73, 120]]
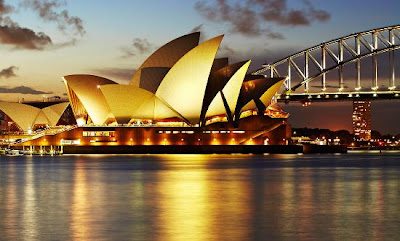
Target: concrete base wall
[[184, 149]]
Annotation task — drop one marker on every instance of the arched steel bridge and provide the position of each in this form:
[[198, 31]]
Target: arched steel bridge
[[315, 63]]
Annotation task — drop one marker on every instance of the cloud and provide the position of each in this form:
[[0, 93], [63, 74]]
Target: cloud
[[11, 33], [22, 90], [127, 52], [121, 74], [142, 45], [317, 14], [4, 9], [226, 51], [248, 17], [274, 35], [47, 10], [198, 28], [268, 55], [23, 38], [8, 72], [242, 19], [139, 46]]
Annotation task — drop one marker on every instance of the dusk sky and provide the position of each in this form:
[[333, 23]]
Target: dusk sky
[[43, 40]]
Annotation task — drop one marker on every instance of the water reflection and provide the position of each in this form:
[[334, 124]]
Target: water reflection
[[185, 215], [195, 197], [29, 227], [80, 228], [9, 204]]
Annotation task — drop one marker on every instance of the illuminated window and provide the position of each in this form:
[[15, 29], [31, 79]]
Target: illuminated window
[[238, 132], [98, 134]]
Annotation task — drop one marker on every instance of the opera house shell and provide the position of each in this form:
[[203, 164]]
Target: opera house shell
[[26, 117], [180, 89], [179, 81]]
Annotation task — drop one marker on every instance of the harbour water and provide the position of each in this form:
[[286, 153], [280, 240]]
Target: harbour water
[[353, 196]]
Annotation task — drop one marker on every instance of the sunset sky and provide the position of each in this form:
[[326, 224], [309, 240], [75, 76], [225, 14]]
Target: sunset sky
[[43, 40]]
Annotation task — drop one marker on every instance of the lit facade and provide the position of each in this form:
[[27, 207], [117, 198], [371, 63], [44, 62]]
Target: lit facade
[[362, 120]]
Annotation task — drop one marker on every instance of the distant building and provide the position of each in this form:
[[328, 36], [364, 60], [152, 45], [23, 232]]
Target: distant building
[[362, 120]]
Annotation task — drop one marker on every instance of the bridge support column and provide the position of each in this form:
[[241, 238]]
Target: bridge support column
[[375, 69], [306, 70], [289, 76], [358, 83], [341, 80], [392, 79]]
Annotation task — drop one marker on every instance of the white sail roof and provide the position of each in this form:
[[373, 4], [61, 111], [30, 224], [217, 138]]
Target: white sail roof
[[23, 115], [87, 90], [124, 100], [230, 92], [167, 55], [187, 80]]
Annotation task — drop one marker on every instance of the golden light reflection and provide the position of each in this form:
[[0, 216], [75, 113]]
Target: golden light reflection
[[11, 205], [187, 214], [379, 203], [304, 207], [193, 203], [29, 231], [80, 228], [235, 198], [288, 196]]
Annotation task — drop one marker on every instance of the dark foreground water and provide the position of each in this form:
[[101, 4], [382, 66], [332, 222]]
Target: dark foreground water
[[201, 197]]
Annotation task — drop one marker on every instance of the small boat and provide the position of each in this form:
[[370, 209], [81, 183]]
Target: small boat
[[14, 153]]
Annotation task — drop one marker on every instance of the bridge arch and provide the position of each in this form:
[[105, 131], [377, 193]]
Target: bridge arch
[[334, 55]]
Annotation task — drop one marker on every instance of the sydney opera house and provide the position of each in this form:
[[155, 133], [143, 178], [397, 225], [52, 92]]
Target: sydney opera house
[[181, 95]]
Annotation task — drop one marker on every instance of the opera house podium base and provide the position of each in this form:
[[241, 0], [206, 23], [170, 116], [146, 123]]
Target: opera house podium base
[[187, 149]]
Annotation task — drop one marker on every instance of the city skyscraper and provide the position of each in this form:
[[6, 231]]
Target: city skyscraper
[[362, 120]]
